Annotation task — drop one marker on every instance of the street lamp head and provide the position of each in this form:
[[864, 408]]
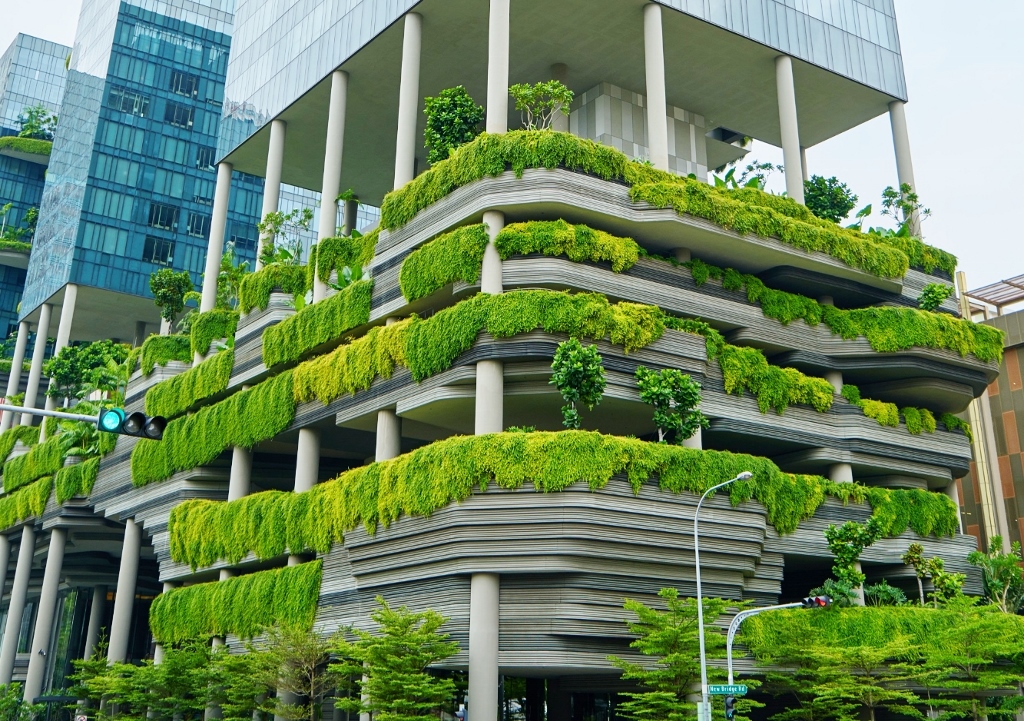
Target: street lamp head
[[746, 475]]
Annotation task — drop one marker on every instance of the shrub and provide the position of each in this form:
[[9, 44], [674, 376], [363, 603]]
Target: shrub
[[25, 503], [160, 349], [457, 255], [210, 326], [578, 243], [747, 369], [419, 483], [579, 376], [540, 102], [933, 296], [176, 395], [44, 459], [676, 400], [30, 146], [453, 119], [255, 288], [243, 606], [336, 254], [76, 480], [828, 199], [169, 289]]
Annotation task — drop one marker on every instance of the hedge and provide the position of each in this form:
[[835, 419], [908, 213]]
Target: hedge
[[31, 146], [15, 246], [244, 419], [210, 326], [457, 255], [335, 254], [419, 483], [918, 420], [76, 480], [255, 288], [25, 503], [176, 395], [317, 323], [160, 349], [759, 213], [887, 329], [242, 606], [29, 435], [44, 459]]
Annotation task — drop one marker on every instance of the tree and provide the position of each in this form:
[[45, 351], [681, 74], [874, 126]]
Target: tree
[[947, 585], [453, 119], [902, 205], [867, 678], [37, 122], [1003, 573], [847, 542], [14, 708], [828, 198], [670, 638], [169, 290], [66, 373], [229, 280], [282, 234], [392, 665], [296, 661], [579, 376], [914, 557], [676, 398], [539, 103]]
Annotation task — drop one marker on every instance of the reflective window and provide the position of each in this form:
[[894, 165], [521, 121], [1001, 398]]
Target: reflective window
[[128, 101], [179, 115], [158, 250], [184, 84], [163, 216]]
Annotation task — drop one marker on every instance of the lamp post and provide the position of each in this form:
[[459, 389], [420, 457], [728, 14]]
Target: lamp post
[[704, 713]]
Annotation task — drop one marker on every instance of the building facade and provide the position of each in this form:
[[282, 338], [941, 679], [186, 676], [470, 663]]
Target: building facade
[[398, 436]]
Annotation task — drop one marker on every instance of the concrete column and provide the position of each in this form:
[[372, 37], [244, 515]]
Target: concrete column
[[272, 181], [695, 441], [165, 326], [351, 217], [657, 104], [5, 562], [560, 121], [124, 600], [483, 646], [140, 333], [559, 701], [841, 472], [904, 162], [45, 613], [408, 101], [307, 459], [389, 435], [683, 255], [14, 378], [497, 67], [952, 493], [240, 479], [490, 274], [803, 164], [38, 351], [790, 127], [836, 379], [331, 183], [218, 228], [490, 397], [67, 317], [16, 606], [97, 610]]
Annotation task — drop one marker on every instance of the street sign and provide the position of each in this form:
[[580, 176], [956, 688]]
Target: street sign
[[703, 711], [736, 689]]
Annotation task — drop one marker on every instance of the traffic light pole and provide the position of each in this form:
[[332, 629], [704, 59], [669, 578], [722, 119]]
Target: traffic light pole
[[7, 407], [742, 616]]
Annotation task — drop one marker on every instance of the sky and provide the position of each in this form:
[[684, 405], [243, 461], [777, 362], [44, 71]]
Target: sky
[[964, 78]]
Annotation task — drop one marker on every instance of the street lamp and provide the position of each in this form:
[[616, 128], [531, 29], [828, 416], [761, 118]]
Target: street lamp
[[704, 713]]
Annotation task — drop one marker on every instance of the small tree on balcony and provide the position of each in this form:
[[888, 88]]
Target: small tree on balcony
[[579, 377], [453, 119], [676, 398]]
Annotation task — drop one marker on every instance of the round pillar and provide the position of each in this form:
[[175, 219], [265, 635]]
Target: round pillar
[[408, 101], [272, 181], [124, 600], [16, 606], [657, 104], [14, 377], [790, 127], [38, 352], [97, 610], [218, 227], [44, 614], [497, 67], [483, 646], [330, 186]]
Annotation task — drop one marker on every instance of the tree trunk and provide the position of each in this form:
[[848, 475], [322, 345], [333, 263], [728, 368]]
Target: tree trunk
[[920, 589]]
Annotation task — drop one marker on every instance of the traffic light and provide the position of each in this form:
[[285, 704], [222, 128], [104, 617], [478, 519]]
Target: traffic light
[[115, 420], [730, 707], [817, 602]]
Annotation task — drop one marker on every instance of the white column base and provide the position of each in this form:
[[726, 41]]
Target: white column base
[[841, 472], [483, 646], [490, 397], [389, 435]]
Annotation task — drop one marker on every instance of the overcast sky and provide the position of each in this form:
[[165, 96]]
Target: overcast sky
[[964, 74]]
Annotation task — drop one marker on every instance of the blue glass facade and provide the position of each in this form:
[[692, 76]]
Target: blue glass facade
[[131, 181]]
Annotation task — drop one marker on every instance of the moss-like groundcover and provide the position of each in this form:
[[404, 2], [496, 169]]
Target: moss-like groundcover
[[210, 326], [25, 503], [242, 606], [30, 146], [417, 484], [430, 346], [335, 254], [457, 255], [76, 480], [43, 459], [745, 211], [159, 350], [255, 288], [29, 435], [176, 395]]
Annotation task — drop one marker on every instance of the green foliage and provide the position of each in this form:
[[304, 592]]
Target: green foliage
[[882, 594], [952, 423], [457, 255], [747, 369], [317, 324], [29, 146], [918, 420], [210, 326], [676, 400], [37, 123], [541, 102], [1004, 575], [14, 708], [933, 296], [25, 503], [81, 369], [43, 459], [828, 199], [392, 664], [243, 606], [577, 242], [579, 376], [296, 661], [161, 349], [255, 289], [281, 236], [847, 542], [453, 119], [432, 477], [244, 419], [29, 435], [948, 586], [670, 638], [76, 480], [336, 254], [169, 289], [176, 395]]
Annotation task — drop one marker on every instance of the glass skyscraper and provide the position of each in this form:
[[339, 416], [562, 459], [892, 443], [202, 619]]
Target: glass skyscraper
[[32, 73], [131, 180]]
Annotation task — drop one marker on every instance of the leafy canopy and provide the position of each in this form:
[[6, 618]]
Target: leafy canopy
[[828, 198], [933, 296], [37, 122], [169, 290], [579, 376], [453, 119], [539, 103], [676, 398], [1004, 575]]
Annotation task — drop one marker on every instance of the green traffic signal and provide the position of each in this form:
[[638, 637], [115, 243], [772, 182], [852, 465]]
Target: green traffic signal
[[115, 420]]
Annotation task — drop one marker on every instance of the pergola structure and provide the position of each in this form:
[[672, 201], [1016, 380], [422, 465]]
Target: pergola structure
[[1000, 295]]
